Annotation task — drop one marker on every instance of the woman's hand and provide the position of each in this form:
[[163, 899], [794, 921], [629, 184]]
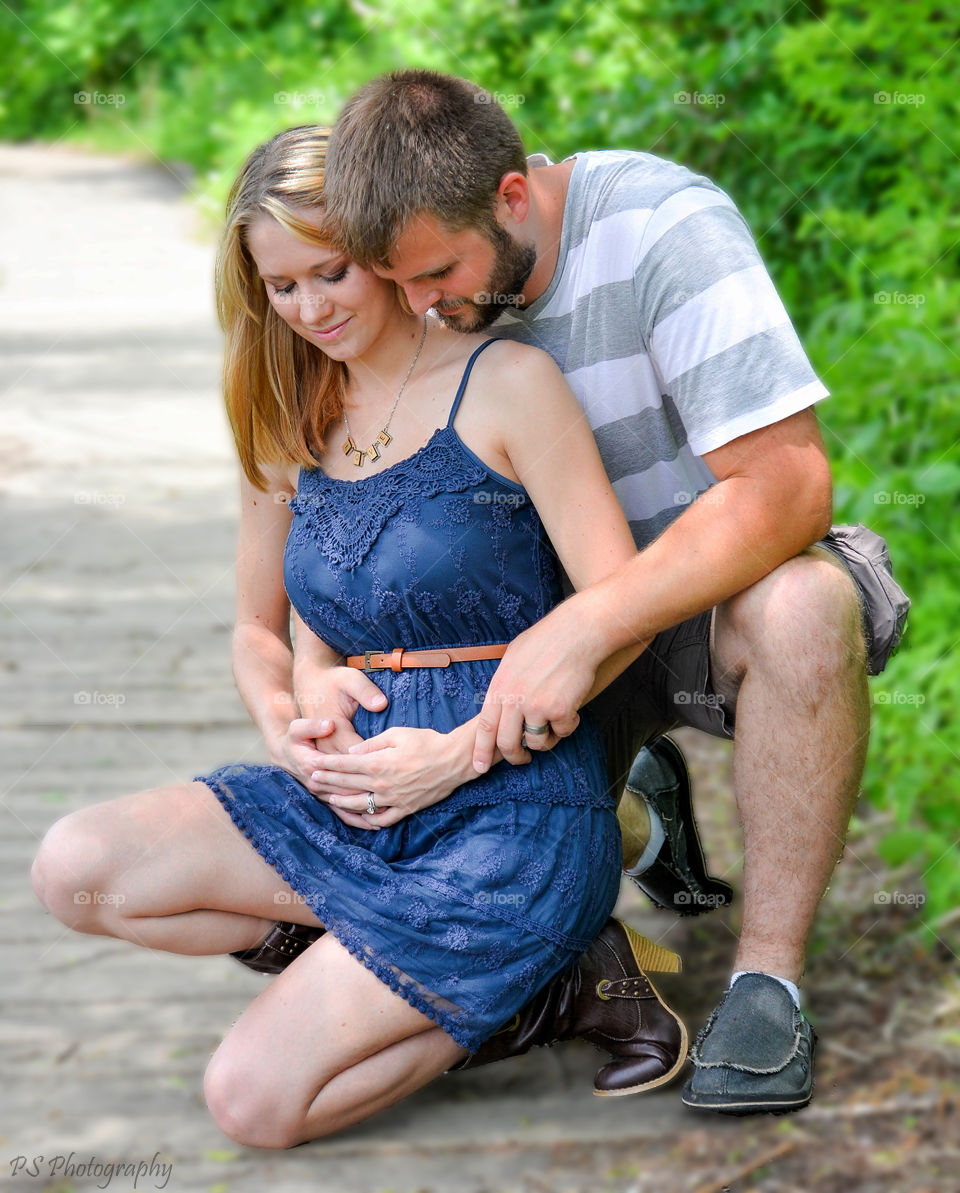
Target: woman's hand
[[329, 698], [298, 751], [332, 695], [404, 769]]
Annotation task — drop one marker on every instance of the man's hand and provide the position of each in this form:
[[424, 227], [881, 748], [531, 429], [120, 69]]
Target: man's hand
[[548, 673], [405, 770], [545, 676]]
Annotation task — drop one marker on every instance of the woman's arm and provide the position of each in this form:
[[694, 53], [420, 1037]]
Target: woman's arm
[[263, 660], [303, 705], [549, 443], [262, 649]]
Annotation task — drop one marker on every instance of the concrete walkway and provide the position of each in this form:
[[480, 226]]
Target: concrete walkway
[[118, 535]]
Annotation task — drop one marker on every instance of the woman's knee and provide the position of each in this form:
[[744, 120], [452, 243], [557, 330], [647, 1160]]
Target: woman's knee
[[95, 865], [71, 873], [245, 1107]]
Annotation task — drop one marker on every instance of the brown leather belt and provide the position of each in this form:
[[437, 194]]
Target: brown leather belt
[[400, 659]]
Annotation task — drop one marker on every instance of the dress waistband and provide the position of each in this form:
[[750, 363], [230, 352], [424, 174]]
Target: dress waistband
[[400, 659]]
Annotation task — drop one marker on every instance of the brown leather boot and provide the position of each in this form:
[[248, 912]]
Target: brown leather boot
[[279, 947], [606, 998]]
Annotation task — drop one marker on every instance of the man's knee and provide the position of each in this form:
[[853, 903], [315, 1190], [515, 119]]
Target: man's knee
[[803, 617], [70, 873]]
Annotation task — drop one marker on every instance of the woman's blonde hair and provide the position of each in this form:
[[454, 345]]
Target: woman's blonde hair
[[281, 393]]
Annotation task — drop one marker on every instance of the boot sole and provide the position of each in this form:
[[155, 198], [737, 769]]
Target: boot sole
[[743, 1109], [681, 1057]]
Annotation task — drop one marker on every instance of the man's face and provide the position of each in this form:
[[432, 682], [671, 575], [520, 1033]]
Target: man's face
[[467, 277]]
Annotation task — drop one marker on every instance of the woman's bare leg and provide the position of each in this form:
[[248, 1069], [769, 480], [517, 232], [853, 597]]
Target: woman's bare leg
[[165, 869], [326, 1045]]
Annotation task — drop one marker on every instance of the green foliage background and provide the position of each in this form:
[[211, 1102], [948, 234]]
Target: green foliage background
[[832, 125]]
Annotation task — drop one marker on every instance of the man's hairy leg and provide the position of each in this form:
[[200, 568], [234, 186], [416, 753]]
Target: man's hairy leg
[[790, 651]]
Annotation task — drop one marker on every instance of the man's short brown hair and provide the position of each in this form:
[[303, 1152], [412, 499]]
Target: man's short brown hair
[[415, 141]]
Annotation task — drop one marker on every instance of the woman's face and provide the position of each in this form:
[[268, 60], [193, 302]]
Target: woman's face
[[319, 291]]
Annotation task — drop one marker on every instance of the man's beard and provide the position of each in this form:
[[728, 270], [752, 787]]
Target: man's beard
[[513, 264]]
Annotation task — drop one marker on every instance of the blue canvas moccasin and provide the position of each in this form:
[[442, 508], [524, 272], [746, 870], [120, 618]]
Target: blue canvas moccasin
[[755, 1055]]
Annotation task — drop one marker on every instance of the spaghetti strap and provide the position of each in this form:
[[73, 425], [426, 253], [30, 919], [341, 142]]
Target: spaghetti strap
[[466, 377]]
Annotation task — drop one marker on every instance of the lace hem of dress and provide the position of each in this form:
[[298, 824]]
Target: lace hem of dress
[[351, 940]]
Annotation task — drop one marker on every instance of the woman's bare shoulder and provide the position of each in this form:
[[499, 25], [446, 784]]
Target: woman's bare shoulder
[[281, 477], [509, 371]]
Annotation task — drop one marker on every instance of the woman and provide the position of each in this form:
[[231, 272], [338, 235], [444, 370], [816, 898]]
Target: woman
[[391, 488]]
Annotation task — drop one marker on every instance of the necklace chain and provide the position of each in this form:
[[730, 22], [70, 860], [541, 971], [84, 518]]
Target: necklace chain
[[359, 454]]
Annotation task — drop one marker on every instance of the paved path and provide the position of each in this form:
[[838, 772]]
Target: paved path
[[118, 534]]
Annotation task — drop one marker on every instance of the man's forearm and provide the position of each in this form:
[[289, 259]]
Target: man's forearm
[[720, 545]]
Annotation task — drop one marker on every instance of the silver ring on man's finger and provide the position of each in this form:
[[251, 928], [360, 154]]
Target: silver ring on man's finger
[[536, 730], [371, 804]]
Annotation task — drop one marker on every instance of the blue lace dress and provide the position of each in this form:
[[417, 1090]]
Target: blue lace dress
[[467, 908]]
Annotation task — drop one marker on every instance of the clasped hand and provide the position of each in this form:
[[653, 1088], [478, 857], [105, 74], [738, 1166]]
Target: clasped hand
[[404, 769]]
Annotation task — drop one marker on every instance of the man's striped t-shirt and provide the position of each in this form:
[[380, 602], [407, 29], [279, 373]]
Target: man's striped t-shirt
[[667, 326]]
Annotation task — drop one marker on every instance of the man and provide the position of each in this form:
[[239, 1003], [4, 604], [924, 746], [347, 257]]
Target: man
[[643, 282]]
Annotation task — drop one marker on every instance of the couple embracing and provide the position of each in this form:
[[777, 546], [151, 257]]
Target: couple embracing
[[462, 382]]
